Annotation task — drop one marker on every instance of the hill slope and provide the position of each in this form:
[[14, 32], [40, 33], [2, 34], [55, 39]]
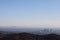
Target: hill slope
[[28, 36]]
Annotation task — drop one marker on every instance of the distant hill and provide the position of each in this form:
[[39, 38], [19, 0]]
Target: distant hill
[[30, 30]]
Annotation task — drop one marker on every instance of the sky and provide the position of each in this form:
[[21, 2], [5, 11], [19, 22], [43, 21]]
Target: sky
[[30, 13]]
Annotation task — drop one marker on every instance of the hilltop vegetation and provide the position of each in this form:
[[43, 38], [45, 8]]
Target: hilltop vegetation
[[28, 36]]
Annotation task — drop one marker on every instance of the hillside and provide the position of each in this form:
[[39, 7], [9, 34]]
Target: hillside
[[28, 36]]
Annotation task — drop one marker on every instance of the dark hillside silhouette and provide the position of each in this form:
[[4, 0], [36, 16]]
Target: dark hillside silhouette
[[28, 36]]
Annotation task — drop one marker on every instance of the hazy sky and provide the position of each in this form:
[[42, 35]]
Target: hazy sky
[[30, 13]]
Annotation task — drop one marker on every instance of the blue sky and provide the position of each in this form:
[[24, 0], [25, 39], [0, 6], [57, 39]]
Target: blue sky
[[29, 12]]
